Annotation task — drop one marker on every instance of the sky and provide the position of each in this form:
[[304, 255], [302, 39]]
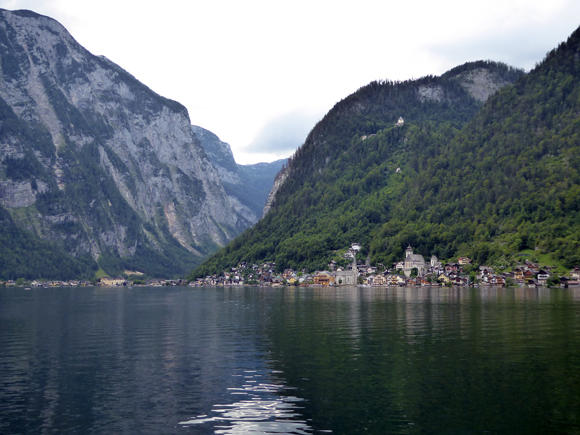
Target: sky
[[261, 73]]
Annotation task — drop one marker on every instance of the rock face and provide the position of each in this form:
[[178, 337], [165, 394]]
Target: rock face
[[278, 182], [219, 153], [247, 186], [433, 93], [481, 83], [82, 140]]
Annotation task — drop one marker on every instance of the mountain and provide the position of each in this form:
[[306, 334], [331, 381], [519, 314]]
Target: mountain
[[247, 186], [483, 164], [96, 169]]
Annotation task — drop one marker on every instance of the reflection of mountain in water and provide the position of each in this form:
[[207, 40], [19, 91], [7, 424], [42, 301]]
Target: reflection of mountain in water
[[261, 411], [430, 360]]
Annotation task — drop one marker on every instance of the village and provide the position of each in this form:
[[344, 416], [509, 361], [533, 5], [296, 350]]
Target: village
[[412, 271], [103, 282]]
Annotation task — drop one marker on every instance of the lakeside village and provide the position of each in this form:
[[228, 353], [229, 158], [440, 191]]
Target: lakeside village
[[413, 271]]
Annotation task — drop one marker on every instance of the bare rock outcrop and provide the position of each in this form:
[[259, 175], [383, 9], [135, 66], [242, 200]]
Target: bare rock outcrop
[[87, 139]]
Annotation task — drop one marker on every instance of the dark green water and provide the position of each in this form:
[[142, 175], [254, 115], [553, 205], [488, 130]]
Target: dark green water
[[250, 360]]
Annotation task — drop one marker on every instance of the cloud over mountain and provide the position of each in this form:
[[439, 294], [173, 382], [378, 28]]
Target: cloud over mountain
[[283, 134]]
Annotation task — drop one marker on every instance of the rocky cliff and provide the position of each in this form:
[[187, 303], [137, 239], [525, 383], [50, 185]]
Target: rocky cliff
[[247, 186], [95, 161]]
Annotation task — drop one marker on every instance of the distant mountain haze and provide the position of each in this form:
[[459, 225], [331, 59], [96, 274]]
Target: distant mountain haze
[[247, 186]]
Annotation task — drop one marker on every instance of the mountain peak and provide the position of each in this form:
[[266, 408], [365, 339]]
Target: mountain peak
[[98, 164]]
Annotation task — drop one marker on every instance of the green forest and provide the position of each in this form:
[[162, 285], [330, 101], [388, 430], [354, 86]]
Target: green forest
[[459, 178]]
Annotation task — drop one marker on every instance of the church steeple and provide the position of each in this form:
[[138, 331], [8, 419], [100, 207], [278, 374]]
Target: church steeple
[[409, 251]]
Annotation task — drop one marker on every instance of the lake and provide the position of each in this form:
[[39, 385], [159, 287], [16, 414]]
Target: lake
[[250, 360]]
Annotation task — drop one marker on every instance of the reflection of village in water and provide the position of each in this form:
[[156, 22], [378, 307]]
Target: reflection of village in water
[[417, 313]]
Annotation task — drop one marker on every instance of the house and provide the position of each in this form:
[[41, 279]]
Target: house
[[379, 280], [324, 279], [542, 277], [498, 280], [451, 267], [486, 273], [530, 264], [528, 275], [395, 280], [464, 260], [106, 281], [459, 281]]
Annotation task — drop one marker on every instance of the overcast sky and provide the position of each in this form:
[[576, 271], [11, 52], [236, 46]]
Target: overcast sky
[[261, 73]]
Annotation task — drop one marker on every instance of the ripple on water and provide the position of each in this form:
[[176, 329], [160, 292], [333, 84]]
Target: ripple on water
[[262, 411]]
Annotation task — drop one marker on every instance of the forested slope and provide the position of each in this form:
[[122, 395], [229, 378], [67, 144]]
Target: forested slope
[[358, 174], [508, 182]]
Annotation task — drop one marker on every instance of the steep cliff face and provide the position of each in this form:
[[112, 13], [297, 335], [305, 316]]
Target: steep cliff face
[[278, 182], [247, 186], [95, 160]]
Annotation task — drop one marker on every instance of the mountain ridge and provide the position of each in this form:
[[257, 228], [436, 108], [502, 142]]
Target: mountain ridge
[[96, 166], [363, 177]]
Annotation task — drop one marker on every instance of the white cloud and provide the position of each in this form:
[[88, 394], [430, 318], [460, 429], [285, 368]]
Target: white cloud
[[283, 134], [240, 66]]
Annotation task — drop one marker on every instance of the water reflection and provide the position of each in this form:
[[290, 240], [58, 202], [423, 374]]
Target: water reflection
[[294, 361], [262, 411], [422, 361]]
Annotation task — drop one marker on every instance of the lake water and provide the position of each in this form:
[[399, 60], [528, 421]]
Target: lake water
[[297, 361]]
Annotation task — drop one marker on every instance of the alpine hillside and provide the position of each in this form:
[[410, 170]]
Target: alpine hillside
[[481, 162]]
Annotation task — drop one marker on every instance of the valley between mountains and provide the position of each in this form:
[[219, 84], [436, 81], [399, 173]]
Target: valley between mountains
[[99, 175]]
